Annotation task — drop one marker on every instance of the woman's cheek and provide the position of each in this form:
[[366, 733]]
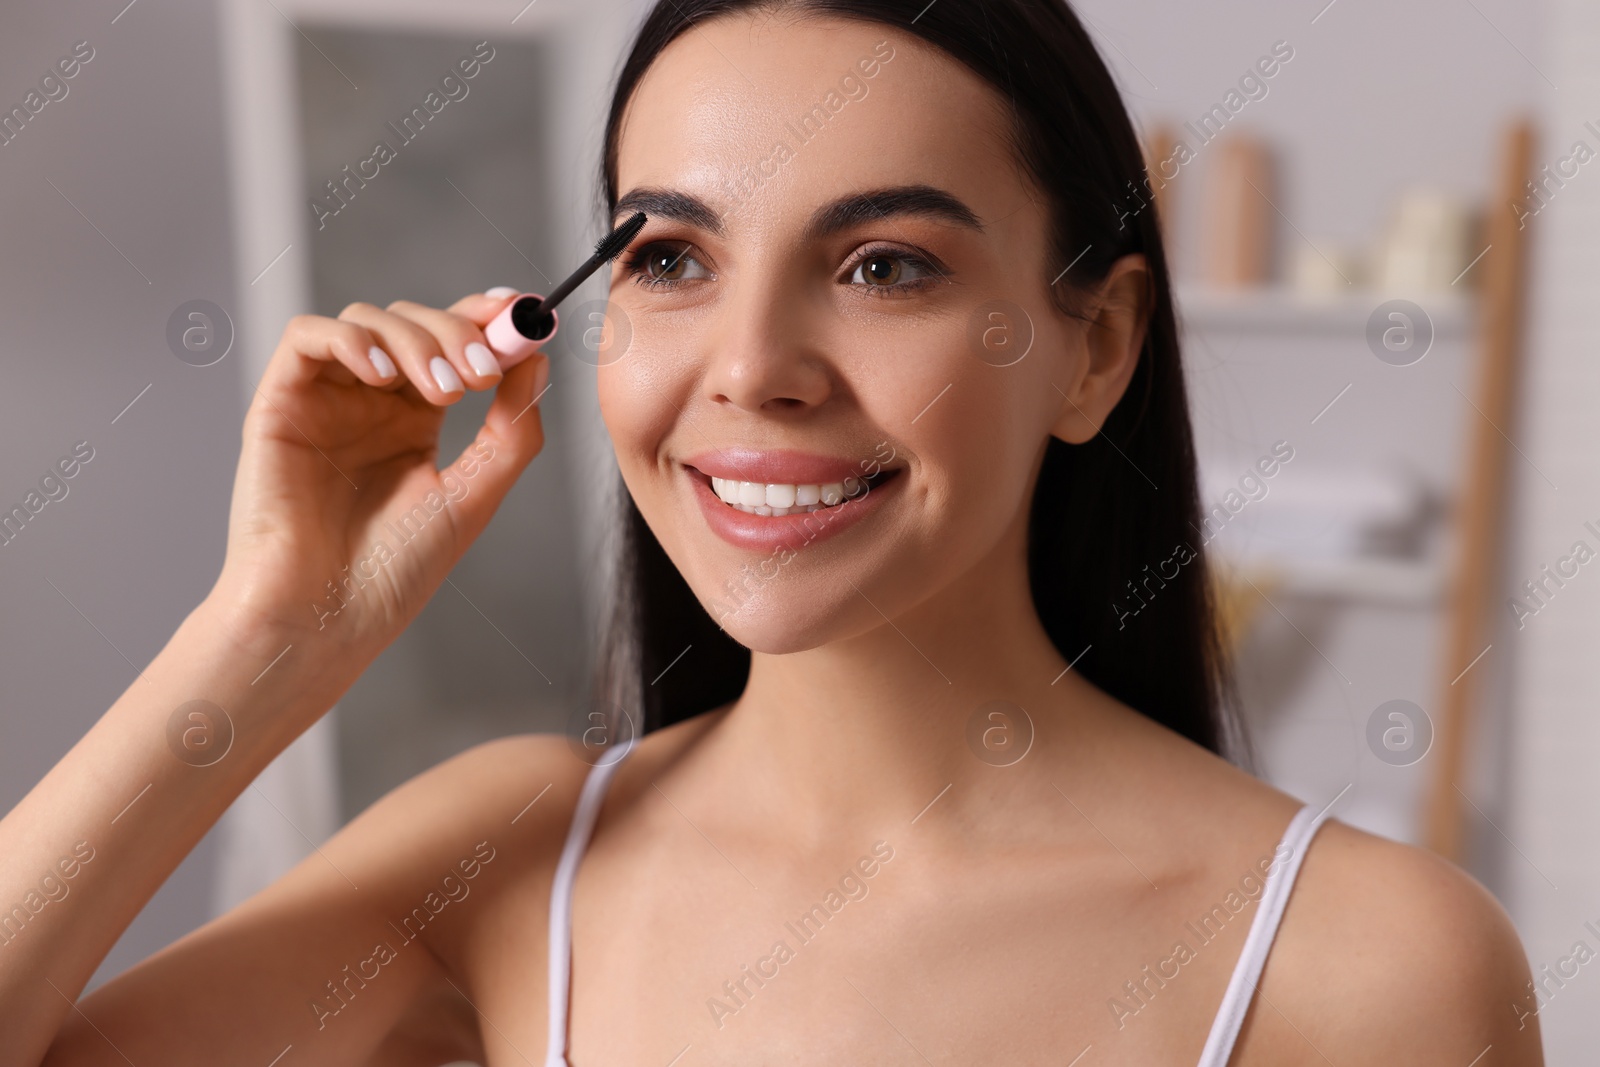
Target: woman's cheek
[[636, 409], [979, 434], [900, 377]]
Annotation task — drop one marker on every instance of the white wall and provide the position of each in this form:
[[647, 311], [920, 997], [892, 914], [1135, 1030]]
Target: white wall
[[1377, 96], [98, 581], [1555, 817]]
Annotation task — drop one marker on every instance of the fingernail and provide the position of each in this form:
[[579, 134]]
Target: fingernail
[[501, 291], [381, 362], [483, 360], [444, 374], [541, 378]]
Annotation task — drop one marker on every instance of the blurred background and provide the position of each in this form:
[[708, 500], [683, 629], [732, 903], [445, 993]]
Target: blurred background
[[1383, 228]]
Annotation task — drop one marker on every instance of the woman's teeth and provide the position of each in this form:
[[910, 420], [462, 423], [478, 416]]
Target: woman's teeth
[[759, 498]]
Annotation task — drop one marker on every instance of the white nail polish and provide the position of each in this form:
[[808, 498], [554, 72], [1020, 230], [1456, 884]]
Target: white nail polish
[[483, 360], [501, 291], [381, 362], [444, 374]]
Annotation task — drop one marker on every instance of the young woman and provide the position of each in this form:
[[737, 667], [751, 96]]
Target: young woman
[[894, 777]]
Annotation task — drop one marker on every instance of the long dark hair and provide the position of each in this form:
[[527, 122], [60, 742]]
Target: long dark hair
[[1109, 516]]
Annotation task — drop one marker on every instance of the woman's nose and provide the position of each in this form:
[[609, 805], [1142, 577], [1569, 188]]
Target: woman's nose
[[764, 354]]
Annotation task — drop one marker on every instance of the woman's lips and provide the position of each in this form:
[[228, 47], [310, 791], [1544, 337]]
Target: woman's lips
[[782, 465], [770, 533]]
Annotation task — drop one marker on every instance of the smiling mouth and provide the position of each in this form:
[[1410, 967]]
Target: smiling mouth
[[781, 498]]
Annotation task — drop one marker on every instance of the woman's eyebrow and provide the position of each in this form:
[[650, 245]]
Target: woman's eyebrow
[[917, 200], [840, 214], [668, 204]]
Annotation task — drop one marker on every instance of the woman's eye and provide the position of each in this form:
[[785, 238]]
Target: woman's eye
[[886, 271], [883, 272], [658, 266]]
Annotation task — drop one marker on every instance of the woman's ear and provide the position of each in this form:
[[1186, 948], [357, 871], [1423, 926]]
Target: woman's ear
[[1113, 336]]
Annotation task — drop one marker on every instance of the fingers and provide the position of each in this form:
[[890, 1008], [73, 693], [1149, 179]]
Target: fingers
[[311, 343], [460, 335], [442, 353], [431, 348], [481, 308], [511, 435]]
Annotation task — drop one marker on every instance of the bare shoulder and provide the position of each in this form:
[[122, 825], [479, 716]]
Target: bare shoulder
[[424, 864], [1389, 953], [488, 780], [1386, 953], [489, 822], [355, 952], [509, 795]]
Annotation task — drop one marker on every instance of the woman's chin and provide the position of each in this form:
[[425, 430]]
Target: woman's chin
[[771, 633], [780, 625]]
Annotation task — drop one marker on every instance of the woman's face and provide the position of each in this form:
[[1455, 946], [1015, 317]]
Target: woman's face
[[834, 211]]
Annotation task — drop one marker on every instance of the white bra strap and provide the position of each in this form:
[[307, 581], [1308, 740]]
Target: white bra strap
[[583, 820], [1274, 898]]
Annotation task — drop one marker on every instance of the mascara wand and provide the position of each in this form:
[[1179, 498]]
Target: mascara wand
[[530, 320]]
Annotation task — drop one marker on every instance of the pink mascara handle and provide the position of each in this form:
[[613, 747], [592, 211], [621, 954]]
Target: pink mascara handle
[[518, 331]]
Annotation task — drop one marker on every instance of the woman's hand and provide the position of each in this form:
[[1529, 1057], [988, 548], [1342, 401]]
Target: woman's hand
[[341, 526], [340, 530]]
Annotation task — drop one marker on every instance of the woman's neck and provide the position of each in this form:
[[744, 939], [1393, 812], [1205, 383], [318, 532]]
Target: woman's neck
[[871, 728]]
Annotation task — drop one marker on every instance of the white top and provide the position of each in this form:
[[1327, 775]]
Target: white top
[[1224, 1028]]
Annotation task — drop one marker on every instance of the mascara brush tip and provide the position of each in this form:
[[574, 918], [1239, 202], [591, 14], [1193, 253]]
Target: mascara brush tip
[[613, 242]]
